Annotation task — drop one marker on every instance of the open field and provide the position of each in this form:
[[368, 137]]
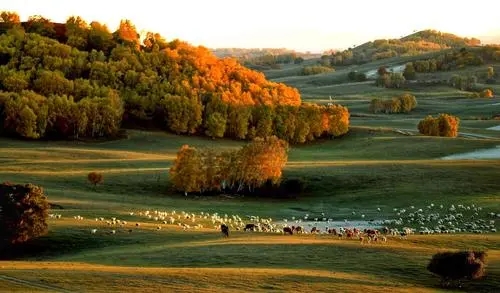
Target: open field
[[369, 168], [379, 166]]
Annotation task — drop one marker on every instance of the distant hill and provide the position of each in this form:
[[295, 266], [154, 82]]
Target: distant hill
[[265, 58], [414, 44]]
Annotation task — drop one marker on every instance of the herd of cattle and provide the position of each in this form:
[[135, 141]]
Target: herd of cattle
[[365, 235]]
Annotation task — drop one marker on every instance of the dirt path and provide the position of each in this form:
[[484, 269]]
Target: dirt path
[[40, 286]]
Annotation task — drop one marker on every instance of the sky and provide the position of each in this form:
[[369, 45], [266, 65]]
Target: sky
[[312, 25]]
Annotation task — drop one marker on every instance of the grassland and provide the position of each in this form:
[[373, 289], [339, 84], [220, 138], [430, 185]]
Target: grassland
[[372, 167]]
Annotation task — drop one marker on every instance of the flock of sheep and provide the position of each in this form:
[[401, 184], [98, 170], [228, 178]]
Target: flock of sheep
[[429, 220]]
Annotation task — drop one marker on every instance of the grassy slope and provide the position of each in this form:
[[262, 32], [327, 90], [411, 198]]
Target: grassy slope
[[370, 167], [366, 169]]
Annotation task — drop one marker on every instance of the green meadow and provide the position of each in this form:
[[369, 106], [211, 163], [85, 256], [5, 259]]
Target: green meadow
[[382, 164]]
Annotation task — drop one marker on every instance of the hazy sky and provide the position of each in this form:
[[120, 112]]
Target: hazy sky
[[302, 25]]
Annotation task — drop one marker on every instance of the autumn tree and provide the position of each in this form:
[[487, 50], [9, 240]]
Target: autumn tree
[[95, 178], [77, 32], [260, 161], [9, 18], [127, 34], [186, 173], [23, 213], [486, 93], [100, 38], [442, 125], [40, 25]]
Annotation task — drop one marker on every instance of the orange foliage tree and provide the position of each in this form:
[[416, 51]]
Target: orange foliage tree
[[443, 125], [250, 167]]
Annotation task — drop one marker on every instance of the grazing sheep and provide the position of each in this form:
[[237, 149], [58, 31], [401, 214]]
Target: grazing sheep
[[224, 229], [93, 231]]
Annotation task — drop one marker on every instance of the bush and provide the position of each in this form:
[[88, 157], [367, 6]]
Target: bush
[[95, 178], [23, 213], [457, 266], [443, 125], [486, 93], [356, 76]]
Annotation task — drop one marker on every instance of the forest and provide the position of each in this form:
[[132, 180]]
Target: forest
[[78, 80]]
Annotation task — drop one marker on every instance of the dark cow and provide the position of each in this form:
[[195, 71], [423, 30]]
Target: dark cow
[[249, 227], [288, 230], [225, 230], [332, 231], [314, 230], [297, 229]]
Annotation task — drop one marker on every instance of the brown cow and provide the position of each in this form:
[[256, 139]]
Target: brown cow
[[288, 230], [225, 230], [250, 227]]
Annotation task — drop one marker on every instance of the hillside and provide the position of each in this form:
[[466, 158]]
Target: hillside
[[414, 44], [79, 80]]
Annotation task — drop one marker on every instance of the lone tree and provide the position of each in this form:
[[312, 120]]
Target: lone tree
[[95, 178], [454, 267], [23, 213]]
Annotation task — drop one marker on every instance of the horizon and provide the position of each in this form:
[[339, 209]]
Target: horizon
[[315, 28]]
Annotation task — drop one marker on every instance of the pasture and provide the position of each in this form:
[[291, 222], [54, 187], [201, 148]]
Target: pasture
[[374, 172], [368, 169]]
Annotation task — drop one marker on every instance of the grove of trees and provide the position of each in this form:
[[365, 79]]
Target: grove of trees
[[23, 213], [389, 79], [401, 104], [442, 125], [80, 80], [208, 170]]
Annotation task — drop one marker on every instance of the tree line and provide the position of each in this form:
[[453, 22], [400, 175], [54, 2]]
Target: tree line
[[77, 80], [250, 167], [448, 61]]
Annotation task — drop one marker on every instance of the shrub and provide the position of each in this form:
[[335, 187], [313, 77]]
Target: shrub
[[356, 76], [443, 125], [486, 93], [457, 266], [23, 213], [95, 178]]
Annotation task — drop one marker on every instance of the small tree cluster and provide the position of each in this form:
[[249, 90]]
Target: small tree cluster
[[457, 266], [207, 170], [389, 79], [401, 104], [442, 125], [23, 213], [464, 83], [316, 69]]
